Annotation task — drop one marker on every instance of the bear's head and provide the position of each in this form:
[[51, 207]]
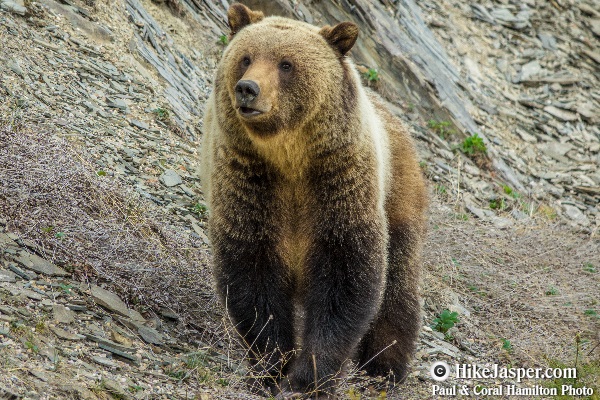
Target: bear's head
[[278, 73]]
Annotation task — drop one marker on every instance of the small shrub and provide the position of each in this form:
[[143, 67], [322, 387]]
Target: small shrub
[[66, 288], [372, 75], [506, 345], [31, 346], [498, 204], [473, 146], [441, 128], [551, 291], [162, 114], [591, 313], [224, 40], [440, 189], [200, 209], [223, 382], [445, 321], [135, 388], [589, 267], [462, 216]]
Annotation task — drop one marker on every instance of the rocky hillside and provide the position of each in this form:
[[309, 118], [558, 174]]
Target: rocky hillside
[[105, 288]]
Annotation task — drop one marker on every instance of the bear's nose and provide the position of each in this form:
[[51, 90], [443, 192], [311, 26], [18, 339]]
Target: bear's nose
[[246, 90]]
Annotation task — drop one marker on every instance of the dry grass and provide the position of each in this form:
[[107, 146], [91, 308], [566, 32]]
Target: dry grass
[[527, 284], [96, 227]]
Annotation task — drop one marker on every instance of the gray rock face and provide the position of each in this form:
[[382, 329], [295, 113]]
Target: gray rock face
[[112, 302], [575, 214], [62, 314], [39, 265], [7, 276], [170, 178]]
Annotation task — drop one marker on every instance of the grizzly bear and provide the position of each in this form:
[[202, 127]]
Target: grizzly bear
[[316, 206]]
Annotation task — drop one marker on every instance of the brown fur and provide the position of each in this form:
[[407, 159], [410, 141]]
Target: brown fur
[[311, 200]]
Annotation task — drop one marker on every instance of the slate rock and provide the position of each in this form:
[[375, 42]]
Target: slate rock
[[150, 335], [39, 265], [576, 215], [7, 276], [6, 240], [548, 41], [14, 65], [62, 314], [170, 178], [112, 302], [62, 334], [530, 70], [27, 275], [104, 361], [561, 114]]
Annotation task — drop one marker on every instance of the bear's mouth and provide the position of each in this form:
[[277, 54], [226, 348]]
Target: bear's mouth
[[249, 112]]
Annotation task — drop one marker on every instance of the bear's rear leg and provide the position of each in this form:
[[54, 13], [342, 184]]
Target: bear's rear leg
[[387, 349]]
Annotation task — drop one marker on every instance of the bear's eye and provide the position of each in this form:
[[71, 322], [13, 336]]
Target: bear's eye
[[246, 61], [285, 66]]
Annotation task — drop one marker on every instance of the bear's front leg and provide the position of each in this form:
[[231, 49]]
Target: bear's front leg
[[252, 281], [344, 280]]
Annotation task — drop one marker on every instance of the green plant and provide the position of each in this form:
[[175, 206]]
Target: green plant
[[509, 191], [506, 345], [551, 291], [48, 229], [200, 209], [178, 374], [31, 346], [223, 382], [135, 388], [101, 173], [59, 235], [65, 288], [40, 327], [462, 216], [441, 128], [17, 329], [224, 40], [589, 267], [473, 146], [440, 189], [372, 75], [590, 312], [527, 207], [498, 204], [445, 321], [162, 114], [478, 291]]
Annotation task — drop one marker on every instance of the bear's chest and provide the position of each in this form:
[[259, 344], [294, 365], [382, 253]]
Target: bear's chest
[[295, 230]]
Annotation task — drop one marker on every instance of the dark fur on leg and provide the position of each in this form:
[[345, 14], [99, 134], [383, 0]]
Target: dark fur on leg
[[343, 277], [251, 277], [389, 345]]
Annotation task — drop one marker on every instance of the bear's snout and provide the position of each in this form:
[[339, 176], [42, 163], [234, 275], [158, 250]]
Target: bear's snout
[[246, 91]]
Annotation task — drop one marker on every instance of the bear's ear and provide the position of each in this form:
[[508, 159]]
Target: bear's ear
[[341, 37], [239, 16]]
